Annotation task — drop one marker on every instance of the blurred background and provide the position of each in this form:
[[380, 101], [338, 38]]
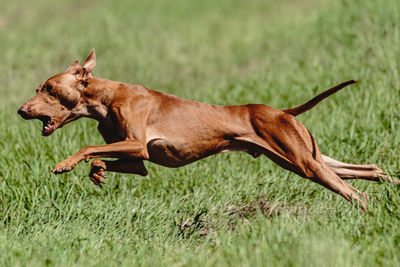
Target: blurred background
[[279, 53]]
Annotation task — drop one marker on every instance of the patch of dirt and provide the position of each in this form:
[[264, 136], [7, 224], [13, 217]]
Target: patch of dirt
[[194, 226], [261, 206], [237, 214]]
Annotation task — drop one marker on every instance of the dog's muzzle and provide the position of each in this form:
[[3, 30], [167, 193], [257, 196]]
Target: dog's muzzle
[[24, 112]]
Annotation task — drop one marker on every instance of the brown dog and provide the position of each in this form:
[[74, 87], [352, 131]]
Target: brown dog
[[140, 124]]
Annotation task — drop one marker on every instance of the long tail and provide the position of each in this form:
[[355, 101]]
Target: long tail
[[315, 100]]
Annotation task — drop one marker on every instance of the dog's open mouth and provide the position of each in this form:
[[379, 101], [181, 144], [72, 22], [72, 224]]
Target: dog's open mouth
[[48, 125]]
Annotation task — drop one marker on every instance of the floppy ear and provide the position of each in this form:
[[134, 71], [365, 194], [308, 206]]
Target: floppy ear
[[74, 68]]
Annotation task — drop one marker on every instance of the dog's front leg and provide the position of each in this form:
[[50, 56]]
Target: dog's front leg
[[99, 167], [124, 149]]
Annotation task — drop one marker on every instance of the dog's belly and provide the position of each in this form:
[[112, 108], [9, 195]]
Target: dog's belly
[[178, 153], [184, 137]]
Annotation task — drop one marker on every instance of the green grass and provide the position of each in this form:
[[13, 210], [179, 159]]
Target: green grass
[[279, 53]]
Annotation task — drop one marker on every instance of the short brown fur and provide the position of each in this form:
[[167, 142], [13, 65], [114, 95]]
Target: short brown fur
[[140, 124]]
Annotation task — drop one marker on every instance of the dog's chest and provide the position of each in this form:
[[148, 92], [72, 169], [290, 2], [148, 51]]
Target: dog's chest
[[110, 133]]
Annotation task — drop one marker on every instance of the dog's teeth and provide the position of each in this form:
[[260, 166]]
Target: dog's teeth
[[46, 127]]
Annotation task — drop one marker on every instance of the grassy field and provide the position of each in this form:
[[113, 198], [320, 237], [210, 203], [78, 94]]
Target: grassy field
[[227, 209]]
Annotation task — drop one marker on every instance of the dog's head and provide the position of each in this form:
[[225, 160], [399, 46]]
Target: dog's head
[[59, 100]]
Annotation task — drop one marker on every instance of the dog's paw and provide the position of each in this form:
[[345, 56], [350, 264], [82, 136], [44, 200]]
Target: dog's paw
[[64, 166], [97, 173]]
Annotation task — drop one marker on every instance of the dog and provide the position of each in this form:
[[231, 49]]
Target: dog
[[139, 124]]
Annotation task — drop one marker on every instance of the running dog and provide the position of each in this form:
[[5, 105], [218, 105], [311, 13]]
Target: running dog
[[139, 124]]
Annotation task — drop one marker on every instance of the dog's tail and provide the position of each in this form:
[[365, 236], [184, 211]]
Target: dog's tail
[[315, 100]]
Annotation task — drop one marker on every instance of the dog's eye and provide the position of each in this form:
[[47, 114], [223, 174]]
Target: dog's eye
[[49, 88]]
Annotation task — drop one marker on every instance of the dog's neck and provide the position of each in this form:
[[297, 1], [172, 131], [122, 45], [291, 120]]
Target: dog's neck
[[98, 96]]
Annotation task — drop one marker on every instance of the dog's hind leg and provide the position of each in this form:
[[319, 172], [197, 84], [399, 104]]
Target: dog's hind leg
[[352, 171], [305, 165], [287, 142], [98, 168]]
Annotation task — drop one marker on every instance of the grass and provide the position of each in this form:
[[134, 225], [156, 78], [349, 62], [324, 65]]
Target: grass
[[227, 209]]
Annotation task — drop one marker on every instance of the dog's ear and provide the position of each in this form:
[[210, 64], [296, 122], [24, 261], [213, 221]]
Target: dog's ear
[[75, 68], [84, 71], [88, 65]]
